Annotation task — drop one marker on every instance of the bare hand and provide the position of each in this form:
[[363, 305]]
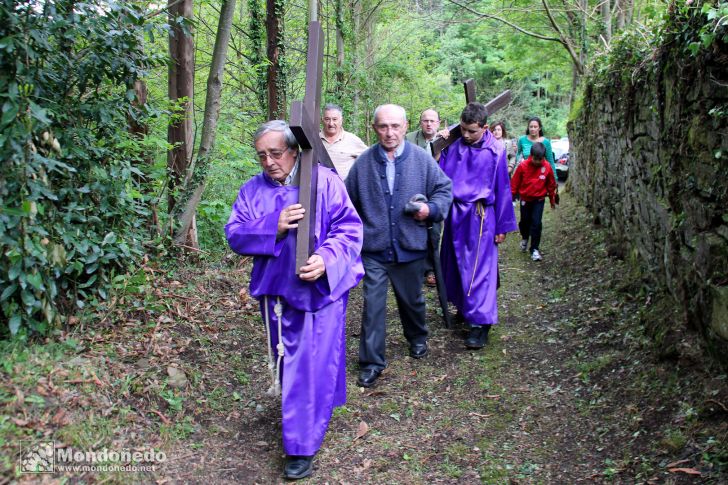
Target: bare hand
[[314, 269], [288, 218], [444, 133], [553, 206], [423, 213], [500, 238]]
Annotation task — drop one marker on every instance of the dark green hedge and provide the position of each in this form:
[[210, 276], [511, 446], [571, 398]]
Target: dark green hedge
[[71, 212]]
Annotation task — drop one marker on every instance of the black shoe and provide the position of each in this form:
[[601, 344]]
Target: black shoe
[[298, 467], [368, 377], [478, 336], [417, 351]]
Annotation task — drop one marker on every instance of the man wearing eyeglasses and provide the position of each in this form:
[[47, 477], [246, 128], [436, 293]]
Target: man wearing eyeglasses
[[343, 147], [429, 124], [304, 314]]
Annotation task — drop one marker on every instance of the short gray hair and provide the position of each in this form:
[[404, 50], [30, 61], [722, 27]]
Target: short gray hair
[[396, 106], [333, 107], [279, 126]]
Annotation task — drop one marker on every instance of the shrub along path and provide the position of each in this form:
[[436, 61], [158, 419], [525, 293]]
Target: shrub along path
[[568, 390]]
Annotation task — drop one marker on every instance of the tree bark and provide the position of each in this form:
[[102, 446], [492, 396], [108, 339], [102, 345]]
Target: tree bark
[[257, 52], [606, 8], [139, 131], [275, 52], [313, 10], [195, 185], [339, 49], [180, 87]]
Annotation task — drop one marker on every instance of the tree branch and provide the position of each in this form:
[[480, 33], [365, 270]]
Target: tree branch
[[564, 41], [507, 22]]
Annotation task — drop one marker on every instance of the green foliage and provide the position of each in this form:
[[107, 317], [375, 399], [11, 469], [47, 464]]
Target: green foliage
[[712, 20], [695, 26], [71, 210]]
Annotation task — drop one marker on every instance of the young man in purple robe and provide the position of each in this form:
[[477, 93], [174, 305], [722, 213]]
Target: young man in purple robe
[[304, 314], [480, 216]]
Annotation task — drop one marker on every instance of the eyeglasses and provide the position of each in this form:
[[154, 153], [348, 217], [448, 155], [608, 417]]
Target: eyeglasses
[[274, 154], [430, 121]]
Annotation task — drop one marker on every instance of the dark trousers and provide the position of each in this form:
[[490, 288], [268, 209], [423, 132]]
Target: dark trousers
[[434, 233], [406, 281], [530, 224]]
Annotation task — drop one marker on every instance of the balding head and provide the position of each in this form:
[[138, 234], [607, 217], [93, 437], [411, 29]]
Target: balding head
[[390, 124], [429, 123]]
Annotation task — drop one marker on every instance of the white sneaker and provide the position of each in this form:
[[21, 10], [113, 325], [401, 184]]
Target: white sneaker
[[524, 245], [536, 256]]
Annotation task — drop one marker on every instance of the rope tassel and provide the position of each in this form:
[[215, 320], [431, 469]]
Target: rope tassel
[[479, 210], [274, 365]]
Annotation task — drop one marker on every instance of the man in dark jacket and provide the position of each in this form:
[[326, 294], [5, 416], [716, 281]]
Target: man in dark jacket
[[381, 183]]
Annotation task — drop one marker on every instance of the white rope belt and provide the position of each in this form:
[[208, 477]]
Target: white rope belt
[[274, 366], [479, 210]]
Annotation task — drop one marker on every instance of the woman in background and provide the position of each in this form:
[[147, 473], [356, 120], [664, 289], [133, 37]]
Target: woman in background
[[499, 132], [534, 133]]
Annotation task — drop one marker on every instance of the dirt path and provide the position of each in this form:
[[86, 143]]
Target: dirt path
[[567, 391]]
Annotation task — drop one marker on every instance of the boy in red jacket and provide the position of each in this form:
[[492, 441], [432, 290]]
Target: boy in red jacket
[[533, 180]]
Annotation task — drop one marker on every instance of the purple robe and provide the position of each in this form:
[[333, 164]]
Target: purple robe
[[314, 313], [469, 255]]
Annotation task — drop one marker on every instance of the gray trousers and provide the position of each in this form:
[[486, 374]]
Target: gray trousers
[[406, 281]]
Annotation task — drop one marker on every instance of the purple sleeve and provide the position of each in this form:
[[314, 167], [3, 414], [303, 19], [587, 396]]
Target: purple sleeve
[[342, 241], [505, 217], [250, 235]]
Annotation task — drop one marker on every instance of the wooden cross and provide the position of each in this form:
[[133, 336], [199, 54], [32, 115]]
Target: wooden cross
[[304, 122], [491, 107]]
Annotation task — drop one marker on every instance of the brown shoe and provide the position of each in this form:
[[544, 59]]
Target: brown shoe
[[430, 279]]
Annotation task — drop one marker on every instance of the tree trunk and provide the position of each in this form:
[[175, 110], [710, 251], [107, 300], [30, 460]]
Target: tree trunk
[[139, 131], [257, 53], [180, 87], [339, 50], [195, 185], [607, 18], [275, 52], [624, 13], [355, 7], [313, 10]]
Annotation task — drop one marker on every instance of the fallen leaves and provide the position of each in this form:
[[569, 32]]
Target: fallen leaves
[[689, 471], [164, 418], [177, 378], [363, 429], [366, 464]]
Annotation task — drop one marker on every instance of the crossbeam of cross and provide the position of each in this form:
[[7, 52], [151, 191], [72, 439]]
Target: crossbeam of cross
[[491, 107], [304, 122]]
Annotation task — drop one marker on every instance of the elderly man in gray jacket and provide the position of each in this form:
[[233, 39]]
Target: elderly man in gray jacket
[[380, 184]]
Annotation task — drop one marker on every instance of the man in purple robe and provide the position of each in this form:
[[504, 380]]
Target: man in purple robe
[[304, 314], [480, 216]]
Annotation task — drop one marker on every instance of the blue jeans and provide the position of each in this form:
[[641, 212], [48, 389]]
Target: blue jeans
[[530, 223]]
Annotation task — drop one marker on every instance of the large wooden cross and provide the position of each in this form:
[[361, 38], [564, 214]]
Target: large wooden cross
[[491, 107], [304, 122]]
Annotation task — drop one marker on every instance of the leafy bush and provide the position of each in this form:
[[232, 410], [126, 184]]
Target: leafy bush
[[71, 213]]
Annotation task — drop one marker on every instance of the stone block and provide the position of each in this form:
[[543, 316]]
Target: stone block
[[719, 315]]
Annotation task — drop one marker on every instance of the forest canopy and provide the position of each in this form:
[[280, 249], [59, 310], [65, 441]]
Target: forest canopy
[[101, 158]]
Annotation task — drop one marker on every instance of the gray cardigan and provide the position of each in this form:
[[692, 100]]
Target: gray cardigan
[[383, 213]]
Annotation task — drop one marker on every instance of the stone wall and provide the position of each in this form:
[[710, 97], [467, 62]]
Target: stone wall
[[650, 161]]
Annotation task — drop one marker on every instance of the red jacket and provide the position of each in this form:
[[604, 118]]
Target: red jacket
[[534, 182]]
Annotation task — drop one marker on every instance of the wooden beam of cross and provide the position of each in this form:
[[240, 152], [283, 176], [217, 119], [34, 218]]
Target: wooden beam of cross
[[491, 107], [304, 122]]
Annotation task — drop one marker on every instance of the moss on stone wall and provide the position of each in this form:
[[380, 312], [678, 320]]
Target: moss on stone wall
[[650, 160]]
